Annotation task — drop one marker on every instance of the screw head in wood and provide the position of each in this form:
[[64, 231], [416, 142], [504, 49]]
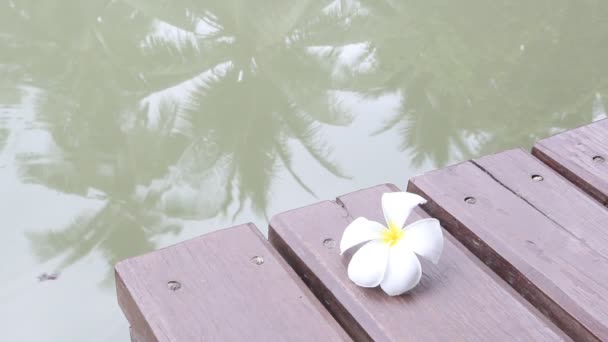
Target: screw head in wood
[[599, 159], [258, 260], [329, 243], [538, 178], [174, 285], [470, 200]]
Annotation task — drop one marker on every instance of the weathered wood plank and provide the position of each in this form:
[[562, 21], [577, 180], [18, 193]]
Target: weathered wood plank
[[553, 195], [458, 299], [548, 265], [135, 337], [580, 155], [231, 286]]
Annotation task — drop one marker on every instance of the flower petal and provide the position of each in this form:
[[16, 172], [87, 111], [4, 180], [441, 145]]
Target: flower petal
[[397, 206], [403, 271], [368, 264], [358, 231], [425, 238]]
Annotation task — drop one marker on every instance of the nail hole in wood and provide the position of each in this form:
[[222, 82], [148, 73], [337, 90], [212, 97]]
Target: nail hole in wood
[[537, 178], [329, 243], [470, 200], [174, 285], [258, 260], [599, 159]]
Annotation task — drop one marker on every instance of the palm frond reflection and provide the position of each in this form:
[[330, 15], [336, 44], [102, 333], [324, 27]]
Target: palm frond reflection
[[185, 112]]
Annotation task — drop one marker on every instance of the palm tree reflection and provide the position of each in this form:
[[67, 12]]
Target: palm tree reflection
[[117, 230], [479, 77], [170, 112]]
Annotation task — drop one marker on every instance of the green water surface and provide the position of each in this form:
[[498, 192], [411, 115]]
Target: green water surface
[[130, 125]]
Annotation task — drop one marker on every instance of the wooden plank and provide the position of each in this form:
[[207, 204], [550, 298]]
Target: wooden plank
[[548, 265], [550, 193], [229, 285], [580, 155], [135, 336], [458, 299]]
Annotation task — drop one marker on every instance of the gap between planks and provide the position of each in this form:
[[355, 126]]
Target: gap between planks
[[482, 246]]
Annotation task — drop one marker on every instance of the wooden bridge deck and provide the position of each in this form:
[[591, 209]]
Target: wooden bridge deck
[[525, 259]]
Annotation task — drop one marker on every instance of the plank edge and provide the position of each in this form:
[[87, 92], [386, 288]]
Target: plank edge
[[540, 152], [504, 269], [313, 282]]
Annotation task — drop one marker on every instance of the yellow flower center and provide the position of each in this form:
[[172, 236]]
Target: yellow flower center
[[393, 234]]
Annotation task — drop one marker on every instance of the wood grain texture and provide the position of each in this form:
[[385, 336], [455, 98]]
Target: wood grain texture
[[459, 299], [551, 194], [572, 154], [224, 296], [555, 270]]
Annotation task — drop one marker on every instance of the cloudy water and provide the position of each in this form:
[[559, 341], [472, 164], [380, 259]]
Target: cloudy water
[[130, 125]]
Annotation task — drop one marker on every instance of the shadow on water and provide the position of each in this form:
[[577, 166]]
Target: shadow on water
[[173, 110]]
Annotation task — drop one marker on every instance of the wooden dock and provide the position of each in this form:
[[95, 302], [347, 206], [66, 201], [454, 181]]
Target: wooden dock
[[525, 259]]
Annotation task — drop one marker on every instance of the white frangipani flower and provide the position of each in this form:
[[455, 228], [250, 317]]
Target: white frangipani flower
[[389, 257]]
